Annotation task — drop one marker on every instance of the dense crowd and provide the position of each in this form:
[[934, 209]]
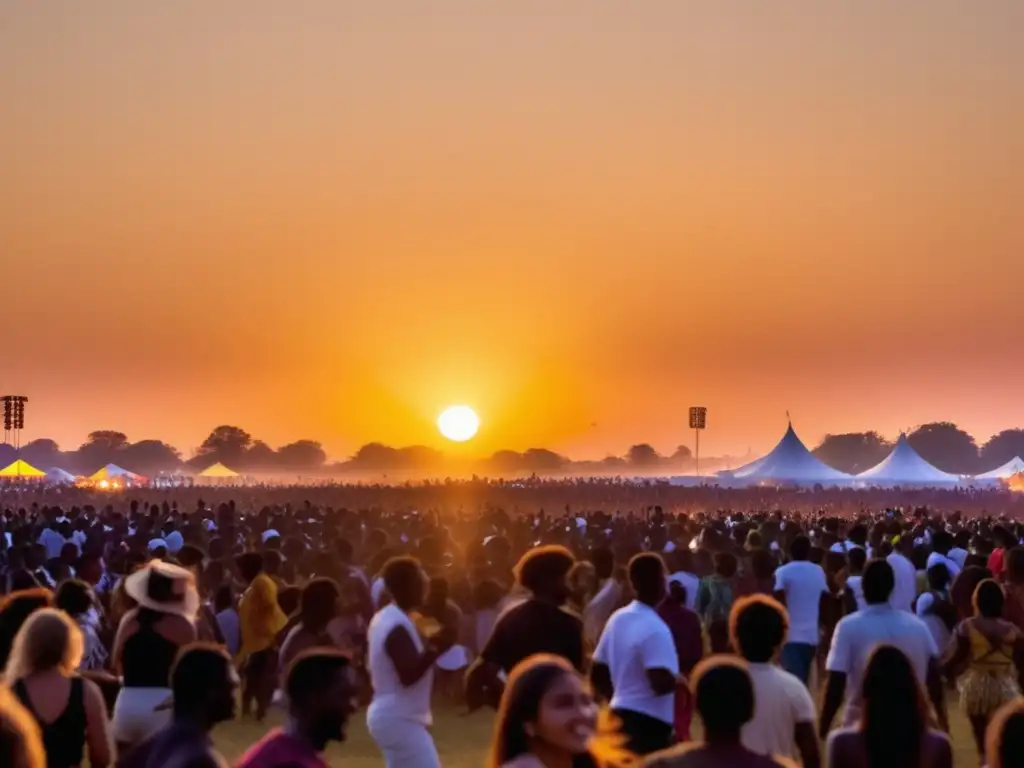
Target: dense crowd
[[602, 620]]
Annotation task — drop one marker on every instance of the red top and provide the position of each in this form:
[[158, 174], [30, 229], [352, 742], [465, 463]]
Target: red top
[[995, 562], [280, 748]]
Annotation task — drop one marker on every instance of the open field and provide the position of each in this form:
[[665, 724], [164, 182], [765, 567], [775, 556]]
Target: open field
[[463, 740]]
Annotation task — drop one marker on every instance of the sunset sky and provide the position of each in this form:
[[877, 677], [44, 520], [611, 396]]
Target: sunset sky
[[331, 218]]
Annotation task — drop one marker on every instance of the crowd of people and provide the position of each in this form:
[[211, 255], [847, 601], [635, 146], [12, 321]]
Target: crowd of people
[[677, 627]]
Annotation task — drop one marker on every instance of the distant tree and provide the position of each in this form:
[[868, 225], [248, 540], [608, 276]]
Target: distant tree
[[225, 444], [541, 460], [505, 462], [102, 447], [7, 454], [643, 456], [946, 446], [258, 456], [43, 453], [682, 456], [419, 457], [302, 454], [613, 462], [853, 452], [374, 456], [149, 457], [384, 458], [1002, 448]]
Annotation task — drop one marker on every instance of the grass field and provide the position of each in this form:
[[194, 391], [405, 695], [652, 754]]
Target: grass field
[[462, 741]]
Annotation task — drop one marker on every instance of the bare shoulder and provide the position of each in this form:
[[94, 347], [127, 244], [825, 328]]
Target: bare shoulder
[[93, 698], [129, 622], [177, 628]]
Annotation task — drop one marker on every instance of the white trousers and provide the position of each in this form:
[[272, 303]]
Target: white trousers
[[136, 716], [403, 743]]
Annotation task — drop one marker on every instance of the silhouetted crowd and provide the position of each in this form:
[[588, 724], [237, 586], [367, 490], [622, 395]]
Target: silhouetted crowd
[[677, 627]]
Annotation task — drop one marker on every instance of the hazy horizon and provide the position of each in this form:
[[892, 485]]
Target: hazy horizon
[[579, 219]]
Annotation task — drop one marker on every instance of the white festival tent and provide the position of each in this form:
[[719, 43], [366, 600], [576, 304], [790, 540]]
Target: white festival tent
[[904, 466], [58, 476], [788, 462], [1009, 469]]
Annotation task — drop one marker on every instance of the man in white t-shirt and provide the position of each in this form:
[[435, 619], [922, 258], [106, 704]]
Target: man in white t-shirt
[[800, 586], [784, 713], [51, 539], [905, 591], [608, 597], [635, 663], [856, 637], [942, 543]]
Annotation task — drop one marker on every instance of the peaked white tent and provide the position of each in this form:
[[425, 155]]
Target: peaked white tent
[[113, 472], [58, 476], [904, 466], [1009, 469], [789, 462]]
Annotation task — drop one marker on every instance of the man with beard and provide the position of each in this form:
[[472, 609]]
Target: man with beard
[[321, 697]]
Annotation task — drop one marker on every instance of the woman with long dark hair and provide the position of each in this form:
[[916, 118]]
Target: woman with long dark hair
[[548, 717], [893, 731]]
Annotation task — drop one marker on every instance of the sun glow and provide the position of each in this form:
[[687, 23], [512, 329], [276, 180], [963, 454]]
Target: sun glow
[[458, 423]]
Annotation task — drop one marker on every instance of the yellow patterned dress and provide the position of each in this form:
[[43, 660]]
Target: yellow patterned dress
[[991, 677]]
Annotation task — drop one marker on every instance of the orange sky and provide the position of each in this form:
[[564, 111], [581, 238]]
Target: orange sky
[[565, 214]]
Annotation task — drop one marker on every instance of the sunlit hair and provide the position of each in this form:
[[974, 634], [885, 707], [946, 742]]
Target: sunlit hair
[[48, 640], [1004, 740], [542, 568], [757, 627], [21, 745], [895, 716], [520, 704], [14, 612]]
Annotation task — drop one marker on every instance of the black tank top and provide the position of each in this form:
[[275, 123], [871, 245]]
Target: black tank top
[[148, 656], [64, 738]]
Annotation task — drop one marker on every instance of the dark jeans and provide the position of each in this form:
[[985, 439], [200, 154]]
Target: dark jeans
[[798, 659], [645, 734]]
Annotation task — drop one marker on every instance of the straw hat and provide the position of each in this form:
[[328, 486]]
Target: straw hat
[[164, 588]]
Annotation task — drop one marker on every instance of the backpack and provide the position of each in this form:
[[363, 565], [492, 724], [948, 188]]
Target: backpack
[[720, 599]]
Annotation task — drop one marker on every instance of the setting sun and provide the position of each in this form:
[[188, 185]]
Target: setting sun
[[458, 423]]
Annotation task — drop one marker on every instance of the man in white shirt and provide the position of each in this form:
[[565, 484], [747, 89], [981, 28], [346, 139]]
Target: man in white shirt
[[800, 586], [958, 553], [856, 637], [635, 664], [51, 539], [608, 597], [681, 562], [905, 591], [784, 712], [942, 542]]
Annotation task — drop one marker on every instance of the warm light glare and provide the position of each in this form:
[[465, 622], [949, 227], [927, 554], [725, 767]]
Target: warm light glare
[[458, 423]]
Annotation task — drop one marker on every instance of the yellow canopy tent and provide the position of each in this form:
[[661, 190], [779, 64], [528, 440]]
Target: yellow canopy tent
[[218, 471], [21, 469]]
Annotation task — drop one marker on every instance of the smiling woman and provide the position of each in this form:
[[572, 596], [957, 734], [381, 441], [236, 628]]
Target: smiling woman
[[458, 423]]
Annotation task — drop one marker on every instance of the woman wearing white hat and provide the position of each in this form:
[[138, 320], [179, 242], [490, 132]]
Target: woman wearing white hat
[[147, 642]]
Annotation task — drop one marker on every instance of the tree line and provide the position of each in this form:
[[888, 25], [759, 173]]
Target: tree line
[[943, 444]]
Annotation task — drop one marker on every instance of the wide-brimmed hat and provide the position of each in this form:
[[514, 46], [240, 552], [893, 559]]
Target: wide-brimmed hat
[[164, 588]]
